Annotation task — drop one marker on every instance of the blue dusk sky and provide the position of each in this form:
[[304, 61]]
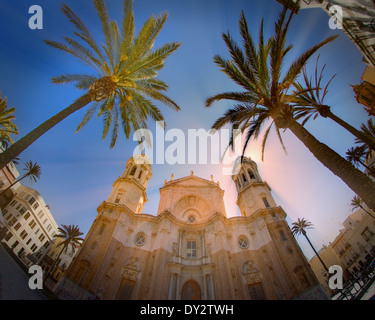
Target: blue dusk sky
[[78, 170]]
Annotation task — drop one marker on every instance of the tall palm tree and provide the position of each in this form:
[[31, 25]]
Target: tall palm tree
[[268, 97], [300, 227], [7, 127], [312, 104], [358, 203], [32, 172], [368, 130], [71, 237], [123, 84], [357, 156]]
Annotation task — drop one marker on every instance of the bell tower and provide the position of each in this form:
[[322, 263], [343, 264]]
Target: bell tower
[[130, 188], [253, 192]]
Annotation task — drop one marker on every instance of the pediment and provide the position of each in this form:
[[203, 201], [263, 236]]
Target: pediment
[[191, 181]]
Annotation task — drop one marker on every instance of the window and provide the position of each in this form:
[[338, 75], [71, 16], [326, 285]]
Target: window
[[243, 242], [32, 200], [367, 234], [251, 174], [101, 229], [22, 210], [28, 241], [41, 237], [33, 247], [140, 239], [140, 174], [23, 234], [18, 225], [8, 236], [13, 203], [132, 171], [32, 224], [191, 252], [265, 201], [46, 244], [40, 214], [36, 205], [119, 195], [191, 218], [49, 227], [282, 235], [244, 177], [27, 215]]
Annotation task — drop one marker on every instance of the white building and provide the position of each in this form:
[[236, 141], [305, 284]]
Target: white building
[[30, 225]]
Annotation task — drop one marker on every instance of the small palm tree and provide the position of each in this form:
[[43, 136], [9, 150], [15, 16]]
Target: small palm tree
[[358, 203], [123, 84], [32, 173], [357, 157], [312, 104], [71, 237], [270, 98], [369, 131], [7, 127], [300, 227]]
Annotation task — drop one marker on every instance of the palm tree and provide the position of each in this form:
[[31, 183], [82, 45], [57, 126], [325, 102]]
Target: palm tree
[[300, 227], [358, 203], [312, 104], [369, 131], [357, 156], [71, 237], [32, 172], [123, 85], [7, 127], [267, 97]]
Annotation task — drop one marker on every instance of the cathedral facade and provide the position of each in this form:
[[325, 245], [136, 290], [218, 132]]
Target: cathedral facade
[[190, 250]]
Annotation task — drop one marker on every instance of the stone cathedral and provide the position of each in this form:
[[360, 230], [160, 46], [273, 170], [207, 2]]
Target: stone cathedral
[[189, 250]]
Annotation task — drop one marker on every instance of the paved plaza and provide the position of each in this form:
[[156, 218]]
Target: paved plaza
[[14, 281]]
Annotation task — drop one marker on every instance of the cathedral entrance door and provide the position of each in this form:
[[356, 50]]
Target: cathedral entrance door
[[191, 291]]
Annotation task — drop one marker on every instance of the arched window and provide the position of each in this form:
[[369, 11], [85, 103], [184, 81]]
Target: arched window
[[140, 174], [251, 174], [132, 171]]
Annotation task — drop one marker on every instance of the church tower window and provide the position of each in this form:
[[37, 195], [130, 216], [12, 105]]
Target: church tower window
[[118, 197], [140, 174], [132, 171], [266, 203]]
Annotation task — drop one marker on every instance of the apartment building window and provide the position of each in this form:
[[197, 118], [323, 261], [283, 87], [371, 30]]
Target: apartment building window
[[41, 237], [36, 205], [23, 234], [367, 234], [32, 224], [33, 247], [28, 241], [49, 227], [27, 215], [191, 251], [13, 203], [17, 226], [22, 210], [32, 200], [8, 236], [40, 214]]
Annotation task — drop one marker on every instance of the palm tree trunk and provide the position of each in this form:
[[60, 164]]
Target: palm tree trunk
[[357, 133], [53, 265], [15, 149], [320, 259], [355, 179]]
